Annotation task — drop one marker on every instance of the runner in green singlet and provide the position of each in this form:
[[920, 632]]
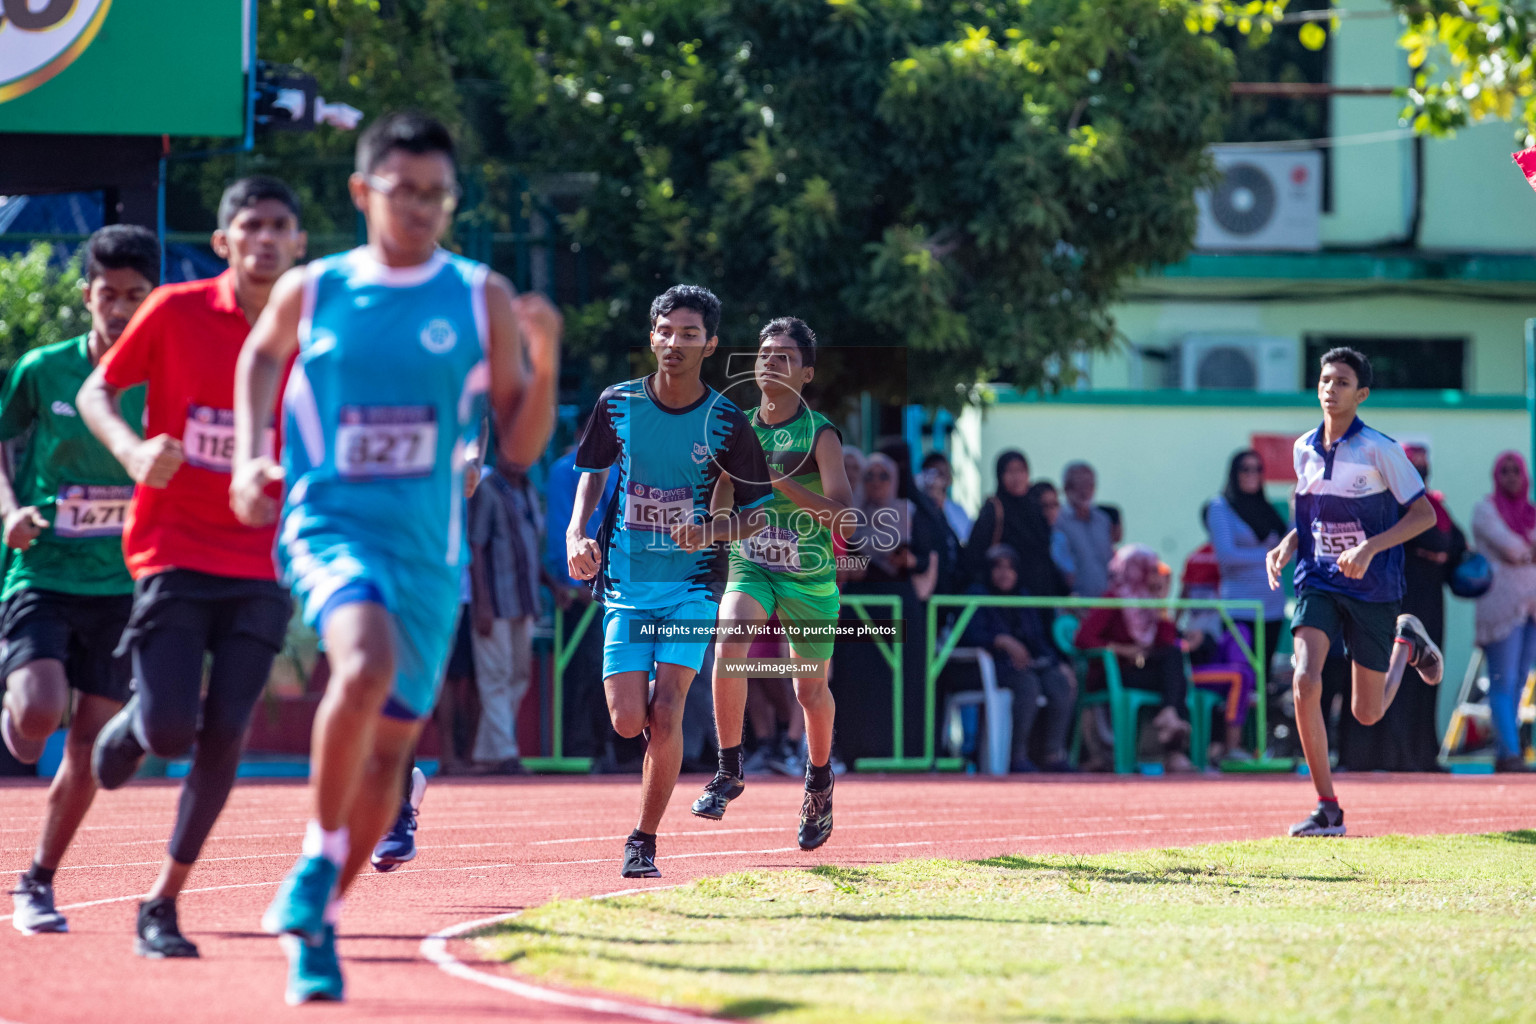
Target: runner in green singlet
[[788, 569], [66, 590]]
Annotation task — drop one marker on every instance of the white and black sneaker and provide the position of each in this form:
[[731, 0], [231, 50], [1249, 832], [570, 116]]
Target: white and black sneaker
[[1326, 820], [639, 858], [35, 912], [815, 817], [1426, 656], [718, 793]]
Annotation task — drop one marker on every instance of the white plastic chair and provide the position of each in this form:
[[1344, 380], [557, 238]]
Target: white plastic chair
[[994, 744]]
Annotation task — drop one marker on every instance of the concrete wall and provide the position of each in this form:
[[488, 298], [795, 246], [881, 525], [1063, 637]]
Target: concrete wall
[[1475, 200], [1160, 462], [1495, 328]]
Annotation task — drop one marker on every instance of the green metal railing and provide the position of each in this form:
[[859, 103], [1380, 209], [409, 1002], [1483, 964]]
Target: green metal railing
[[564, 650], [892, 652], [938, 654]]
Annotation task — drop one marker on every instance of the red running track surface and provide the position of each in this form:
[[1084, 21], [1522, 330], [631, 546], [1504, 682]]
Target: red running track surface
[[492, 847]]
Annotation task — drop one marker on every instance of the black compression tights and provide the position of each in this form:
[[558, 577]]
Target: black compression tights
[[168, 664]]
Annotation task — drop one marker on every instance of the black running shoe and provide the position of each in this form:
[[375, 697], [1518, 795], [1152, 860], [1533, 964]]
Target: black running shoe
[[815, 817], [1327, 820], [718, 792], [34, 909], [160, 936], [1426, 656], [640, 859], [117, 754]]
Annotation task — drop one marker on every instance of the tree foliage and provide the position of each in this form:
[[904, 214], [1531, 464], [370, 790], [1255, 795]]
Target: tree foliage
[[39, 302], [1471, 61], [970, 181]]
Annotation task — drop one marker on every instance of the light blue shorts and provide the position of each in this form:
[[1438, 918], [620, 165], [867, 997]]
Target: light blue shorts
[[328, 572], [629, 646]]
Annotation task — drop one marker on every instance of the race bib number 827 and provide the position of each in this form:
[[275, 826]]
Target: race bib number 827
[[386, 441]]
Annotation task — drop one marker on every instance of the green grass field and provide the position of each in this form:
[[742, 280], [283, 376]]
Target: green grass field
[[1393, 929]]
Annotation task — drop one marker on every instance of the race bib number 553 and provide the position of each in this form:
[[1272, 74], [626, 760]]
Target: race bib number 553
[[1330, 540], [386, 441]]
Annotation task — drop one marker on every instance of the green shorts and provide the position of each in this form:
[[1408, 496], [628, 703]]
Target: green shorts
[[799, 606], [1367, 627]]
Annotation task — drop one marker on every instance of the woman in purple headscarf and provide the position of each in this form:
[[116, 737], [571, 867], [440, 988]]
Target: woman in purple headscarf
[[1504, 529]]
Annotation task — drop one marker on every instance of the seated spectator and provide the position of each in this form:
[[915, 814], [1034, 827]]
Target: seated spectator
[[1147, 646], [1043, 493], [937, 478], [1090, 530], [1027, 663], [1010, 517], [884, 534]]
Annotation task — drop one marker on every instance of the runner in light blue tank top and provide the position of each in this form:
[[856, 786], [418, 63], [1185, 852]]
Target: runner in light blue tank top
[[393, 348], [386, 394]]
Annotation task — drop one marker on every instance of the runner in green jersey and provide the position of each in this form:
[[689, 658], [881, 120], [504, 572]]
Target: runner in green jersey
[[66, 590], [788, 569]]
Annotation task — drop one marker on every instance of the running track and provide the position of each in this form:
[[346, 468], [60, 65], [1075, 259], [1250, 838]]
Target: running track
[[490, 848]]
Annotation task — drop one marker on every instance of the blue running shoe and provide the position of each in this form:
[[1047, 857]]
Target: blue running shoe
[[399, 843], [314, 972], [299, 907]]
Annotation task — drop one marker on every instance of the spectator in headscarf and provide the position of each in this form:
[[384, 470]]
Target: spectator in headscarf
[[1243, 527], [884, 533], [930, 530], [1027, 663], [1146, 644], [1504, 527], [1043, 493], [937, 478], [1010, 517], [1406, 739]]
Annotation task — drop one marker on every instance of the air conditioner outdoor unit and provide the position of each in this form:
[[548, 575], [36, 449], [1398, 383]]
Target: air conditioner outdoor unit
[[1266, 199], [1238, 362]]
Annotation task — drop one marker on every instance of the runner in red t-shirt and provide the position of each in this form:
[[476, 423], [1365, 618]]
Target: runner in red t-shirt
[[203, 582]]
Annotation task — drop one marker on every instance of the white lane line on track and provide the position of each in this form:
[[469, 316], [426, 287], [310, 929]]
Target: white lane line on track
[[142, 895], [435, 949]]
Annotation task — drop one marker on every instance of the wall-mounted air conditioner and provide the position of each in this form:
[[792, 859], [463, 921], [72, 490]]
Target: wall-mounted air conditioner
[[1238, 362], [1266, 199]]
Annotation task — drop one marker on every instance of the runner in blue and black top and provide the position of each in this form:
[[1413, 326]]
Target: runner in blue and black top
[[659, 559], [1358, 499]]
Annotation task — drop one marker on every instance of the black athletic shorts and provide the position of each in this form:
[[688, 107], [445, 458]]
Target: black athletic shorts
[[81, 630], [1368, 628], [179, 598]]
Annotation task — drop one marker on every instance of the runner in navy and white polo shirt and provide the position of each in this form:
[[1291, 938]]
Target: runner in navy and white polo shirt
[[1358, 499]]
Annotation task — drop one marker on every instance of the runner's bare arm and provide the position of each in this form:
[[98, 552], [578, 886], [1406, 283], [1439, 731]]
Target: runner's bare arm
[[581, 552], [1277, 558], [266, 351], [724, 498], [721, 529], [1421, 516], [23, 523], [525, 367], [837, 495], [150, 461]]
